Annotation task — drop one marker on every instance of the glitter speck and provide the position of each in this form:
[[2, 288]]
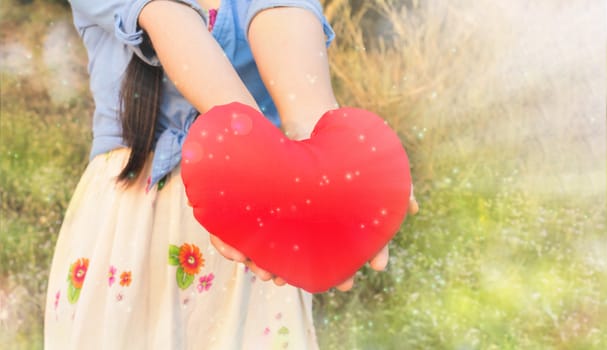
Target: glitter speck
[[311, 78], [361, 137], [241, 124]]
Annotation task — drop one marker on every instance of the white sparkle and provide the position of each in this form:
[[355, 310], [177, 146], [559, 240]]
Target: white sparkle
[[311, 78]]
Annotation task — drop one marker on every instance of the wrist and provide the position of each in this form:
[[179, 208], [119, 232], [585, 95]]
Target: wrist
[[297, 124]]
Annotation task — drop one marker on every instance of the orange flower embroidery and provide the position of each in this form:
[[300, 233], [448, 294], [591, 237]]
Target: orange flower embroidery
[[190, 258], [78, 272], [125, 278]]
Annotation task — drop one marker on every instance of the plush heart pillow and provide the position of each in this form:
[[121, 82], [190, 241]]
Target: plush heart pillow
[[311, 211]]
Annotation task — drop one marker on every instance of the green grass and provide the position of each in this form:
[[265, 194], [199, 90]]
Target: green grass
[[507, 251]]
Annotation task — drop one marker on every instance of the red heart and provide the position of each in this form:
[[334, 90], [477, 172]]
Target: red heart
[[312, 211]]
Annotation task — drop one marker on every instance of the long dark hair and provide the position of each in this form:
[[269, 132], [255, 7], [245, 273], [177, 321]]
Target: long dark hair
[[140, 101]]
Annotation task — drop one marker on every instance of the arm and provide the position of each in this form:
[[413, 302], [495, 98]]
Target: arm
[[182, 41], [293, 64]]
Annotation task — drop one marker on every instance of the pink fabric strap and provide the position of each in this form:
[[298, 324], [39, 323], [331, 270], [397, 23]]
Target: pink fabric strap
[[212, 18]]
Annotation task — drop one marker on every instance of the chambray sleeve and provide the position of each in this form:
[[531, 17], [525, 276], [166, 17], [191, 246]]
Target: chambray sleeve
[[311, 5], [119, 17]]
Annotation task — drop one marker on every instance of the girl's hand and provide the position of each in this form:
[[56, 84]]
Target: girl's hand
[[233, 254], [378, 263]]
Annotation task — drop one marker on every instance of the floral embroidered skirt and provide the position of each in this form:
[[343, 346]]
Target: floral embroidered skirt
[[133, 269]]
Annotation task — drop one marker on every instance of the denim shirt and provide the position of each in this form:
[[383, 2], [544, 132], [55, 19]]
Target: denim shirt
[[111, 36]]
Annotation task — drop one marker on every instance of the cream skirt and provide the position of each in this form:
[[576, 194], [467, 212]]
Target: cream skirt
[[134, 270]]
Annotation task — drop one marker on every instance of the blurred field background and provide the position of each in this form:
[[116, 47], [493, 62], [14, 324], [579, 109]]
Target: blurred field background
[[501, 106]]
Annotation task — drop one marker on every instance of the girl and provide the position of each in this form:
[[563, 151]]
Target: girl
[[132, 268]]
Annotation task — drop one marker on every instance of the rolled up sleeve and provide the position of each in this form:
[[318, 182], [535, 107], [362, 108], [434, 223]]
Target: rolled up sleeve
[[120, 18], [311, 5]]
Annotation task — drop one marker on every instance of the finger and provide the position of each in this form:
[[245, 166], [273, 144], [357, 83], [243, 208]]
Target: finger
[[380, 261], [226, 250], [279, 281], [347, 285], [258, 271], [413, 205]]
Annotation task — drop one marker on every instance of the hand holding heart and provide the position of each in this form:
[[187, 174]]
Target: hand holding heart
[[311, 211]]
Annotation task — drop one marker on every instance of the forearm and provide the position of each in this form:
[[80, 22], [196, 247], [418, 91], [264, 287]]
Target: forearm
[[191, 57], [289, 48]]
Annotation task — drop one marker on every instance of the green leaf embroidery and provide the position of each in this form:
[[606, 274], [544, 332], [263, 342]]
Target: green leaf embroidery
[[173, 255], [184, 280], [69, 273], [73, 293], [162, 182], [283, 330]]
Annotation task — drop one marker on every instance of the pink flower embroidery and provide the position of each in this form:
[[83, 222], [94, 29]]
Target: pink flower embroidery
[[266, 331], [57, 296], [212, 18], [205, 282], [112, 275]]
